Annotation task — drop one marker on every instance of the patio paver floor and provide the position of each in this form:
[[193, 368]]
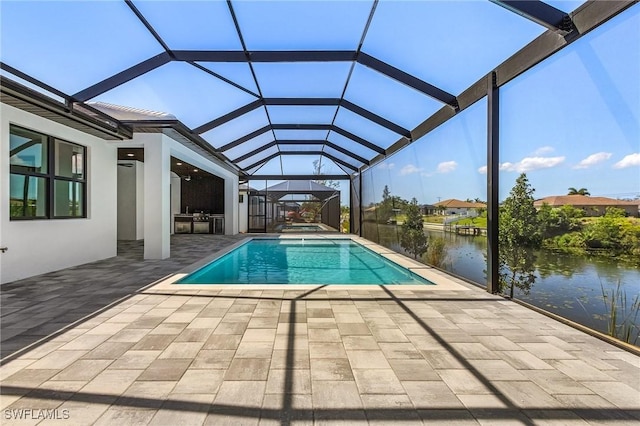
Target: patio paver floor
[[321, 356]]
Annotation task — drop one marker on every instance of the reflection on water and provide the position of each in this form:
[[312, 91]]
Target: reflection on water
[[566, 284]]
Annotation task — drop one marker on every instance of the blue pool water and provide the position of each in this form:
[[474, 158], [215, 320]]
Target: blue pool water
[[302, 261]]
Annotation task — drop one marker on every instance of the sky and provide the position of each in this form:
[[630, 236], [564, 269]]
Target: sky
[[572, 121]]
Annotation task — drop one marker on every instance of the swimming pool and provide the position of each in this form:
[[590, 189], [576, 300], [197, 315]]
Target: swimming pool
[[302, 261]]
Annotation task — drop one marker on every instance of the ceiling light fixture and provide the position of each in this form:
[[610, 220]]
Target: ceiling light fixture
[[178, 164], [130, 155]]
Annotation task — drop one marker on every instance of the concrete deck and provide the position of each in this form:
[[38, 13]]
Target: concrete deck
[[318, 355]]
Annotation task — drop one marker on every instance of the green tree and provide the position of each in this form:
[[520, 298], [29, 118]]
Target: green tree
[[412, 236], [556, 221], [518, 235], [612, 232], [384, 210], [581, 191], [314, 206]]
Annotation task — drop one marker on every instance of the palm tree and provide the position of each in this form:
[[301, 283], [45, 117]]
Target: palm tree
[[581, 191]]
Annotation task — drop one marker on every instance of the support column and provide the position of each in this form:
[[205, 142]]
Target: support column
[[360, 212], [493, 170], [231, 216], [157, 198]]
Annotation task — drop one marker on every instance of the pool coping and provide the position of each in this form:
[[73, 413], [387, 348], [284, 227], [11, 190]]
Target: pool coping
[[441, 281]]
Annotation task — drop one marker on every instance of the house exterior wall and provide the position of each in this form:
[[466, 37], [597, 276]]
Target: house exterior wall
[[243, 212], [461, 211], [601, 210], [40, 246]]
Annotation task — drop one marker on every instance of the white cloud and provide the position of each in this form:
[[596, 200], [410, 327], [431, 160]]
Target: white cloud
[[592, 160], [529, 164], [446, 167], [543, 150], [482, 170], [386, 166], [628, 161], [409, 169]]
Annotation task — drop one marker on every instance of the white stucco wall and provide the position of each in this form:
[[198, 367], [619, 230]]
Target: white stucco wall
[[39, 246], [243, 212], [176, 185]]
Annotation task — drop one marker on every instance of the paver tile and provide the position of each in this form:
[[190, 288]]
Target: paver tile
[[289, 381], [56, 360], [367, 359], [619, 394], [465, 382], [223, 341], [134, 359], [290, 359], [213, 359], [378, 381], [431, 394], [125, 416], [187, 350], [527, 395], [154, 342], [326, 350], [199, 381], [111, 382], [243, 394], [413, 369], [334, 395], [247, 369], [82, 370], [165, 369], [555, 382], [331, 369], [324, 335], [181, 409]]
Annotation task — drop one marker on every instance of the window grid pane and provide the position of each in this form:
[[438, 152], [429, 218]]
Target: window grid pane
[[28, 150], [69, 199], [28, 196]]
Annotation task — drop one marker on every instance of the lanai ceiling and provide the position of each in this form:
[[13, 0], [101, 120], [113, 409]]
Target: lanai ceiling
[[263, 83]]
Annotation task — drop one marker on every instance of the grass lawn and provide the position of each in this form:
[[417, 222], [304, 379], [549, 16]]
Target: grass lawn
[[480, 222]]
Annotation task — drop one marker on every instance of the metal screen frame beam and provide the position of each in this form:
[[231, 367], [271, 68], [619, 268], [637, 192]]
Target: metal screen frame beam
[[407, 79], [265, 55], [329, 156], [359, 140], [297, 177], [264, 160], [381, 121], [254, 152], [347, 152], [331, 127], [122, 77], [493, 173], [302, 101], [245, 138], [228, 117], [539, 12], [323, 142]]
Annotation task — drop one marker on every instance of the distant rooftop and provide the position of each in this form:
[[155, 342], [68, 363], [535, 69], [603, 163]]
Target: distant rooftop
[[583, 200]]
